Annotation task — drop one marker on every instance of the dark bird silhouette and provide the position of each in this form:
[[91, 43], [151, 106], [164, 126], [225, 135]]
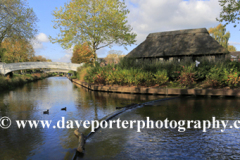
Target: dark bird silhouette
[[46, 112], [64, 109]]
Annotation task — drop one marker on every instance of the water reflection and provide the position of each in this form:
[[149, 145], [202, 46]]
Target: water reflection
[[29, 101], [169, 143]]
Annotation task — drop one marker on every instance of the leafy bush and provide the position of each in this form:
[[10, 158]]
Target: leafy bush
[[16, 80], [132, 72], [161, 77], [73, 77], [173, 84], [203, 69], [72, 72], [187, 76], [82, 71], [231, 78], [95, 75], [215, 77]]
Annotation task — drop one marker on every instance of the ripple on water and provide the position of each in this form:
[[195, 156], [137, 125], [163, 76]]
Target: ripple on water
[[28, 103], [169, 143]]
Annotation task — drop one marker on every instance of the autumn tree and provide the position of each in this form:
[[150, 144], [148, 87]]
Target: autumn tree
[[219, 34], [99, 23], [2, 52], [114, 54], [82, 54], [231, 48], [230, 11], [16, 20], [17, 50], [39, 59], [113, 57]]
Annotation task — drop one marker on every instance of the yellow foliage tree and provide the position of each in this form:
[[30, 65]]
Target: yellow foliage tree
[[82, 54], [39, 59], [231, 48], [219, 34], [17, 50]]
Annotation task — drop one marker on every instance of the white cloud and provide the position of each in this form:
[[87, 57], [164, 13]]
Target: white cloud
[[38, 40], [165, 15], [36, 44], [234, 43], [41, 37], [66, 58], [69, 51], [102, 52]]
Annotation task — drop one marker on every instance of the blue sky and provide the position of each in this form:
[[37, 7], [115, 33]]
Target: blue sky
[[146, 16]]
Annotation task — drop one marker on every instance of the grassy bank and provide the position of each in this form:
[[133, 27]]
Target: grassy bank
[[184, 74], [17, 80]]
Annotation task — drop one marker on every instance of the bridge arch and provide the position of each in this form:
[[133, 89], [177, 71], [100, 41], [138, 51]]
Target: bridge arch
[[6, 68]]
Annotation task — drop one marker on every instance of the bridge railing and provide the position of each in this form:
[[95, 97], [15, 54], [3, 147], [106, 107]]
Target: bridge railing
[[9, 67]]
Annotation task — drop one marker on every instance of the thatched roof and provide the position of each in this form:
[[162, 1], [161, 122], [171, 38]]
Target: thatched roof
[[237, 54], [178, 43]]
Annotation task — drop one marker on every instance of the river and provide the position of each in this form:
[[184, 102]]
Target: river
[[28, 103]]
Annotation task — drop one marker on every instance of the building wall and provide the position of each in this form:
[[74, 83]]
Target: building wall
[[181, 58]]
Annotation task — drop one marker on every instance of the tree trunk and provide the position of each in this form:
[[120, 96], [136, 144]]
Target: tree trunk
[[94, 58], [95, 55]]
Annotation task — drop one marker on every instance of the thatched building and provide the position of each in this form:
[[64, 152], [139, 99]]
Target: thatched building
[[191, 43], [234, 56]]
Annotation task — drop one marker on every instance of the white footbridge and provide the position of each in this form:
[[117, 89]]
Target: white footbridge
[[6, 68]]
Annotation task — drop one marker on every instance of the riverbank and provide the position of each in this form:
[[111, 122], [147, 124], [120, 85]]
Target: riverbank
[[217, 74], [160, 91], [17, 79]]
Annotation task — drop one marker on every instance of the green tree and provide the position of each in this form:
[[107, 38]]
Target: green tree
[[16, 19], [230, 11], [100, 23], [219, 34]]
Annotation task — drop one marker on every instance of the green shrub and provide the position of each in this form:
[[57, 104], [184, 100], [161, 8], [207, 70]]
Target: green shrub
[[161, 77], [173, 84], [215, 77], [131, 72], [203, 69], [149, 79], [16, 80], [73, 73], [73, 77], [140, 78]]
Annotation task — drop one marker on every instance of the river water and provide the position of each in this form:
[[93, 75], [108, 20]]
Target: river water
[[167, 143], [28, 103]]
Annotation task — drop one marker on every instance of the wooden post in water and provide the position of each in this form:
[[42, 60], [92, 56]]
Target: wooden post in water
[[81, 141]]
